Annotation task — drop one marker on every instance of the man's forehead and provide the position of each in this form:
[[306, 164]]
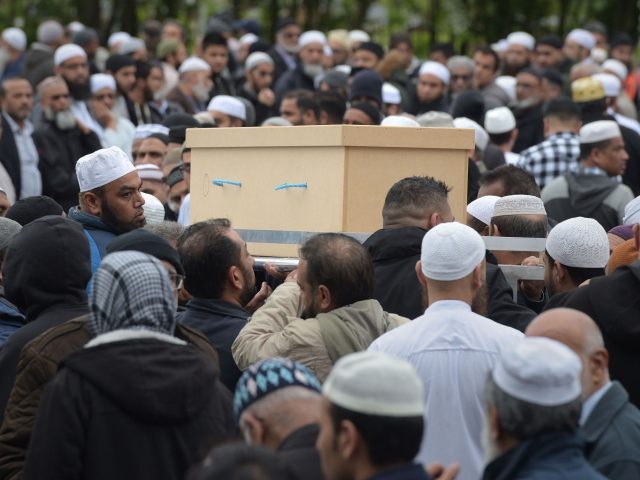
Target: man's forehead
[[129, 181]]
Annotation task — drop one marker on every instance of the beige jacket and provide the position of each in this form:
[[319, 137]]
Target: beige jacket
[[276, 330]]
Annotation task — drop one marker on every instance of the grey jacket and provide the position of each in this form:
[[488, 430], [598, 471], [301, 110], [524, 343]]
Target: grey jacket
[[612, 434]]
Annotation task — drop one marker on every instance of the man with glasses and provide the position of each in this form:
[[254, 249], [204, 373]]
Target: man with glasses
[[259, 71], [528, 109], [461, 70], [60, 139], [284, 51], [152, 150]]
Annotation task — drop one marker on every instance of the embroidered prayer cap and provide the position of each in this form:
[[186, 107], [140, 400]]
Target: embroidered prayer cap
[[632, 212], [255, 59], [610, 83], [268, 376], [518, 205], [579, 242], [540, 371], [375, 383], [102, 80], [451, 251], [582, 37], [147, 171]]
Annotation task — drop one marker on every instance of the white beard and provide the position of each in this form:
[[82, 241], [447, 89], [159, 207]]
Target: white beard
[[312, 70], [200, 92], [491, 451], [64, 120]]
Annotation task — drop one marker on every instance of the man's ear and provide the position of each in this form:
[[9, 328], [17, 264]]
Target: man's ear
[[558, 271], [421, 278], [235, 277], [434, 220], [91, 203], [348, 440], [325, 302], [494, 231], [253, 428]]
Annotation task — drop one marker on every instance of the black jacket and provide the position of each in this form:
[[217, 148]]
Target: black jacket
[[299, 449], [280, 65], [59, 150], [131, 409], [46, 281], [614, 304], [221, 322], [262, 111], [530, 125], [612, 434], [555, 456], [294, 79], [395, 252], [9, 156]]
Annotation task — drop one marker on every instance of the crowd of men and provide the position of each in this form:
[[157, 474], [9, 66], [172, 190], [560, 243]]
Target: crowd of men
[[134, 344]]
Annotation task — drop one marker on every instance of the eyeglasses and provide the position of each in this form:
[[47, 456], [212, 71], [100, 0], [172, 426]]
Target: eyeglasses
[[59, 97], [177, 280], [460, 77]]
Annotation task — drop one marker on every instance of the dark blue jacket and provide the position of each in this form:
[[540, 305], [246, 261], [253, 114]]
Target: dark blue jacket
[[10, 319], [220, 321], [406, 472], [555, 456], [98, 234], [612, 434]]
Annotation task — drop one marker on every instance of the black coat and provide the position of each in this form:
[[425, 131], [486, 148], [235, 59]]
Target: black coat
[[49, 291], [612, 434], [395, 252], [129, 409], [299, 449], [9, 156], [294, 79], [279, 64], [614, 304], [221, 322], [262, 111], [530, 125], [554, 456], [59, 150]]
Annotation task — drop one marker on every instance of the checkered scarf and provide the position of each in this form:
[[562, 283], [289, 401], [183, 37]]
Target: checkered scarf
[[132, 290]]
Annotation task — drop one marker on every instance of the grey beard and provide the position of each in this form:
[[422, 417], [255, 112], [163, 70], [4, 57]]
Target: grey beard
[[312, 70], [200, 92], [64, 120]]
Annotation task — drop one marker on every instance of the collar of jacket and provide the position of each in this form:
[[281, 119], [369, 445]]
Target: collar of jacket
[[602, 415], [542, 449], [304, 437], [87, 220], [218, 306], [404, 472], [390, 243]]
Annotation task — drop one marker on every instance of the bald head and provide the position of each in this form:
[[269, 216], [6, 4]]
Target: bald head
[[580, 333]]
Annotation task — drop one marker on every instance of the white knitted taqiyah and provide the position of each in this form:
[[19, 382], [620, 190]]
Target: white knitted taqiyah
[[521, 38], [481, 135], [436, 69], [482, 208], [579, 242], [312, 36], [398, 121], [451, 251], [582, 37], [153, 209], [539, 370], [599, 131], [375, 383], [101, 167], [228, 105], [499, 120]]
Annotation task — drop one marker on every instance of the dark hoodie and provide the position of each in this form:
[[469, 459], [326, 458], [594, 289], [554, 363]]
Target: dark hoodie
[[614, 304], [46, 271], [129, 409], [100, 233], [396, 251], [591, 196]]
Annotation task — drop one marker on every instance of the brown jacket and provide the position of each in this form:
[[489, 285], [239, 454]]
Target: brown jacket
[[38, 365]]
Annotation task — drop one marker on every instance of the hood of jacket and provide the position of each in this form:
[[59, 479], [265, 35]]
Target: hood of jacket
[[587, 192], [354, 327], [47, 264], [154, 381], [395, 243], [88, 221]]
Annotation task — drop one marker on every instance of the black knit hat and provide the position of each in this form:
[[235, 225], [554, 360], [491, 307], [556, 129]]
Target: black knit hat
[[369, 110], [117, 61], [144, 241], [28, 209], [367, 83]]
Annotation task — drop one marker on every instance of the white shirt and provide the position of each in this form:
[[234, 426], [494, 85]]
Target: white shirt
[[591, 402], [30, 178], [185, 210], [453, 350], [81, 112], [511, 158]]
